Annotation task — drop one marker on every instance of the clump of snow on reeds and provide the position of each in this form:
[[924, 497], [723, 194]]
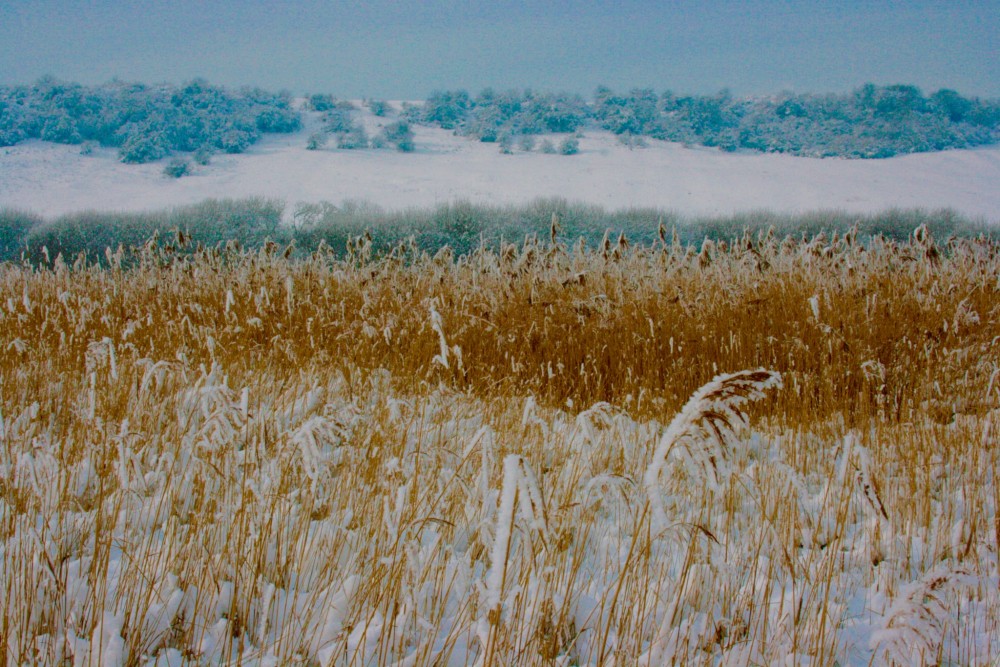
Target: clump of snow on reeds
[[914, 626], [698, 439]]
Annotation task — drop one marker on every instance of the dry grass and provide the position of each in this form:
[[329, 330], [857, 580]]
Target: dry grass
[[234, 457]]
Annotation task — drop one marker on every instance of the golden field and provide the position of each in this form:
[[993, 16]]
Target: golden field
[[766, 451]]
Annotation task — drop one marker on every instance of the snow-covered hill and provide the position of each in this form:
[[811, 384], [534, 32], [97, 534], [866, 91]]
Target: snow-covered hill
[[53, 179]]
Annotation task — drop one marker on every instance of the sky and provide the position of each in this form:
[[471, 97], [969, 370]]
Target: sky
[[398, 49]]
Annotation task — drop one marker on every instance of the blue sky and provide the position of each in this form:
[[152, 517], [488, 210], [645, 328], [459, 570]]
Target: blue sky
[[405, 50]]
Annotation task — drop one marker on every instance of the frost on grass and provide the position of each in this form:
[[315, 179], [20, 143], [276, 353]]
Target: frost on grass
[[219, 480], [292, 523], [916, 624], [700, 437]]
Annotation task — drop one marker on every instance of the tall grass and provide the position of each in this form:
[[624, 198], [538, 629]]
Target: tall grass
[[538, 454], [465, 226], [462, 226]]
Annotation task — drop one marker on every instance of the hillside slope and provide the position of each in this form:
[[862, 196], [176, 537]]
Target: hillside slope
[[52, 179]]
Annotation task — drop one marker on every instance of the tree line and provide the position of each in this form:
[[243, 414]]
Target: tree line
[[148, 122], [144, 122], [868, 122]]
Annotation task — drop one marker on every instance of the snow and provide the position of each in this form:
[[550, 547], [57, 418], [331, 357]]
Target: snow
[[53, 179], [451, 606]]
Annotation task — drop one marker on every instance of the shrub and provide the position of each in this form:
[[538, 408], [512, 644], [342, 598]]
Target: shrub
[[236, 140], [203, 155], [631, 141], [338, 120], [317, 140], [569, 146], [400, 135], [506, 143], [61, 129], [379, 107], [320, 102], [354, 138], [177, 167], [144, 147], [277, 121], [447, 109]]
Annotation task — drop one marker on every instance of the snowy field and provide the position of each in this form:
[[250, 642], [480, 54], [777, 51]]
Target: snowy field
[[52, 179], [534, 457]]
